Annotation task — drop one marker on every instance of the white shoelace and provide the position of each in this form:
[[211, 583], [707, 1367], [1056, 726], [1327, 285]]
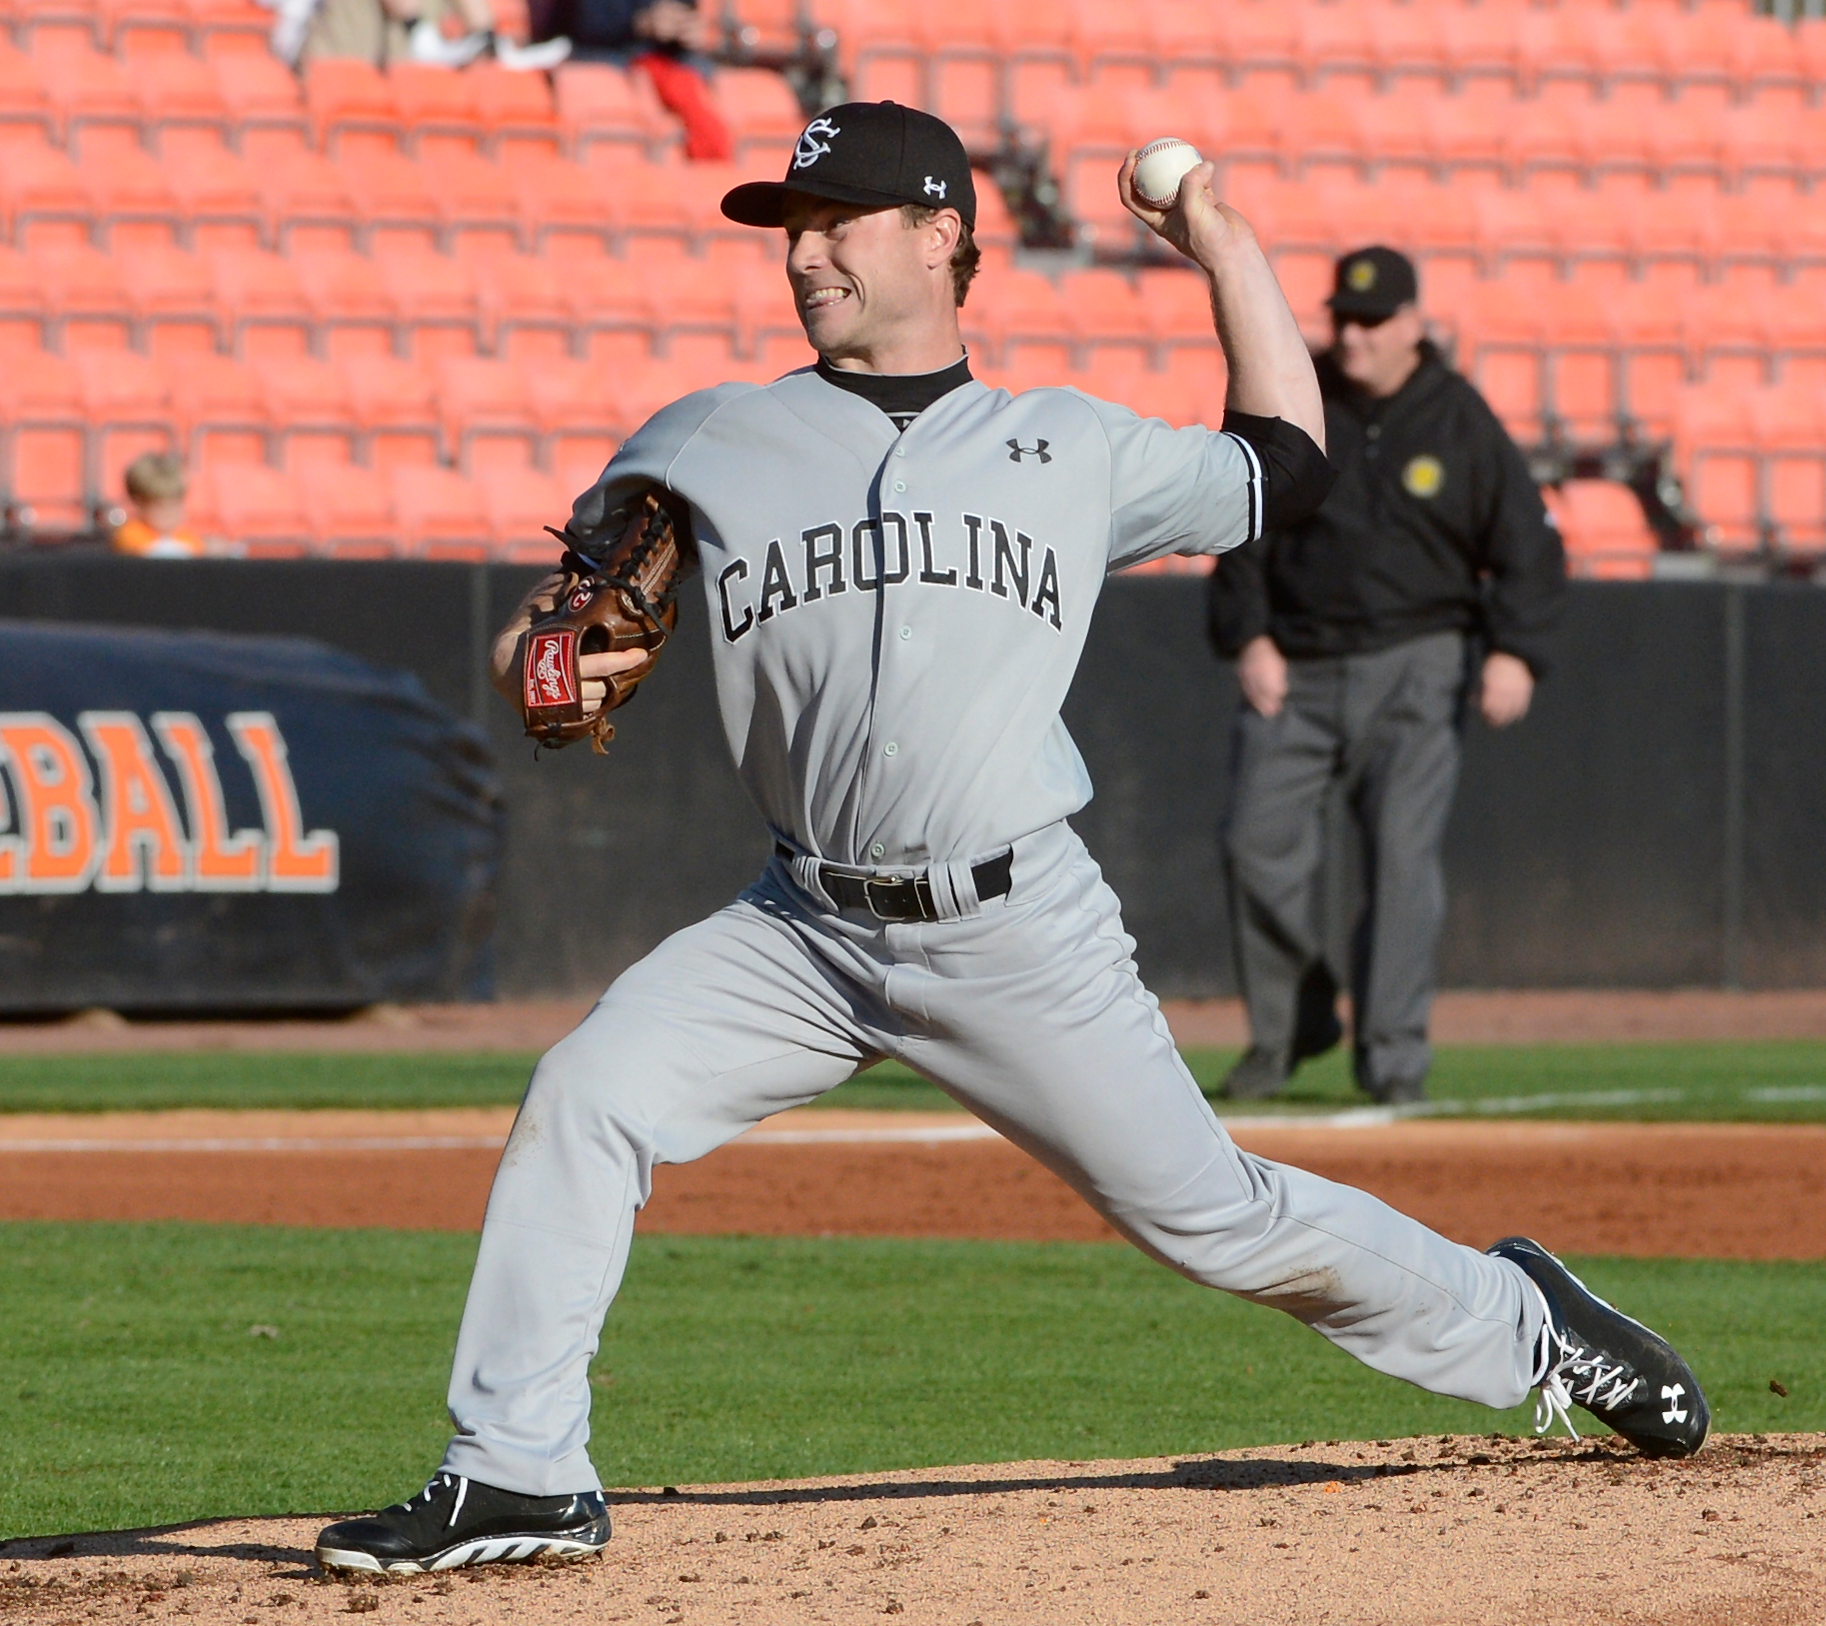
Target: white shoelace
[[462, 1491], [1567, 1373]]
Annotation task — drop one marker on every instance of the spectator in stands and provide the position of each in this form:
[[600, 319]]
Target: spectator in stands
[[1356, 635], [664, 39], [384, 31], [157, 486]]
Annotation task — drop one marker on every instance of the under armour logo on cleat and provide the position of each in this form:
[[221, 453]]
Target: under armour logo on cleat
[[935, 189], [1671, 1393], [1016, 451]]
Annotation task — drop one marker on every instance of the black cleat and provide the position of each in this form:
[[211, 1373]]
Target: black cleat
[[1398, 1092], [456, 1521], [1592, 1355]]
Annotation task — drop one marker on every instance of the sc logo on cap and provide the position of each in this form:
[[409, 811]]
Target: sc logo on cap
[[810, 148], [1360, 276], [1424, 476]]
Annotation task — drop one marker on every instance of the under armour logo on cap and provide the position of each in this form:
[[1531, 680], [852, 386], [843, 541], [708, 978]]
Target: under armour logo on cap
[[810, 149], [888, 155]]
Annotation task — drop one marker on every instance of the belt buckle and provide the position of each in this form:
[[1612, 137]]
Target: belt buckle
[[869, 883]]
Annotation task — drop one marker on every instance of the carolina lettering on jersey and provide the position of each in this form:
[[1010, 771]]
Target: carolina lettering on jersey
[[980, 554]]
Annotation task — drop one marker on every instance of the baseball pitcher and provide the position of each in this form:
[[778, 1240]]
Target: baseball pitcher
[[899, 566]]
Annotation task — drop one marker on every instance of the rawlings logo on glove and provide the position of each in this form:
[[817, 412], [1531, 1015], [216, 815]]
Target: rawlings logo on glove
[[625, 599]]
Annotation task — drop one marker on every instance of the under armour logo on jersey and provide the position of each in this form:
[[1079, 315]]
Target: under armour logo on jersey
[[1672, 1393], [935, 189], [1016, 451], [810, 148]]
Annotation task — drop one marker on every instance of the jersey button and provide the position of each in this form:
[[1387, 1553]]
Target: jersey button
[[877, 850], [900, 485], [906, 632], [890, 749]]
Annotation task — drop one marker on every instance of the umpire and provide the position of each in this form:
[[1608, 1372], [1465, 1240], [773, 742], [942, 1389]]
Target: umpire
[[1354, 635]]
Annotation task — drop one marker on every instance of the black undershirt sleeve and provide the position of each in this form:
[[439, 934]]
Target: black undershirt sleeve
[[1295, 473]]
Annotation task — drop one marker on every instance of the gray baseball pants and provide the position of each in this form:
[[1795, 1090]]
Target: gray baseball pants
[[1029, 1011], [1386, 725]]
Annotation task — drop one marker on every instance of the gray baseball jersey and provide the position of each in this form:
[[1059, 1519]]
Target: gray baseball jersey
[[896, 618]]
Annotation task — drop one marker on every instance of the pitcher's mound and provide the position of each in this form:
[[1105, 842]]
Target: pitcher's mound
[[1456, 1530]]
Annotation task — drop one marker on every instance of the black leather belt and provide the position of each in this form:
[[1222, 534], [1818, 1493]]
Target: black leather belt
[[904, 901]]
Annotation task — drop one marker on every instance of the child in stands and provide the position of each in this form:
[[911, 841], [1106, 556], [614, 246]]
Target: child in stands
[[157, 486]]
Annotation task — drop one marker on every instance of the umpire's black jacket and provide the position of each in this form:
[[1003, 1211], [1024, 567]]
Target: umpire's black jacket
[[1434, 525]]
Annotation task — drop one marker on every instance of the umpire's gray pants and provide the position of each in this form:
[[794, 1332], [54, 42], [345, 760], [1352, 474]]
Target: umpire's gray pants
[[1031, 1014], [1387, 726]]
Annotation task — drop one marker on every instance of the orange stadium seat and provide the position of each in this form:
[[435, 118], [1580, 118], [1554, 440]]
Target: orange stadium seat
[[128, 410], [307, 199], [86, 89], [352, 309], [264, 103], [518, 503], [260, 508], [230, 27], [262, 300], [86, 297], [1789, 424], [343, 96], [23, 102], [489, 419], [395, 405], [219, 200], [131, 198], [307, 403], [436, 300], [762, 111], [440, 513], [173, 301], [580, 424], [351, 516], [45, 435], [219, 408], [1334, 41], [393, 197], [600, 104], [44, 195], [1606, 534], [477, 201], [22, 308], [1716, 453], [516, 110], [559, 204], [432, 102], [610, 312], [524, 307], [1106, 319], [179, 91]]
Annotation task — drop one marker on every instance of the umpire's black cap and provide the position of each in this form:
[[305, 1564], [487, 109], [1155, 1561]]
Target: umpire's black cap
[[873, 153], [1374, 281]]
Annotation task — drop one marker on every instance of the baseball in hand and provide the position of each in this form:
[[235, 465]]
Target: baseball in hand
[[1160, 167]]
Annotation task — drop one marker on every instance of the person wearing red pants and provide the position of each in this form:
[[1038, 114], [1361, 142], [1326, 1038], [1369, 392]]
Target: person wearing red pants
[[664, 39]]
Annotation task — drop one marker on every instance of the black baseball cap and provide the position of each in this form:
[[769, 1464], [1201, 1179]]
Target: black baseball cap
[[1374, 281], [878, 154]]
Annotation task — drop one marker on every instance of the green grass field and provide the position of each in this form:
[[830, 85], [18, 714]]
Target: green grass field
[[137, 1390], [1774, 1082]]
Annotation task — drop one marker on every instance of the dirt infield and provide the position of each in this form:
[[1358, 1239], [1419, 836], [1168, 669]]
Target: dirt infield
[[1734, 1191], [1529, 1016], [1403, 1533]]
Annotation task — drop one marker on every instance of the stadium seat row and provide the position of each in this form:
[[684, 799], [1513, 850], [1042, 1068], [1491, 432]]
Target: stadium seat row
[[1374, 41], [65, 87]]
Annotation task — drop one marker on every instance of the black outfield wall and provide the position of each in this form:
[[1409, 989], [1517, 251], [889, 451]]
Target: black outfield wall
[[1656, 822]]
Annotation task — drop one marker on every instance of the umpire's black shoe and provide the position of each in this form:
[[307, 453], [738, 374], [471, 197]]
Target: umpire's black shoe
[[1594, 1356], [456, 1521], [1259, 1074]]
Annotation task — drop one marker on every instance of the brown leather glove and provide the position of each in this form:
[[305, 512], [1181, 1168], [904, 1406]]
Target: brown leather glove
[[627, 598]]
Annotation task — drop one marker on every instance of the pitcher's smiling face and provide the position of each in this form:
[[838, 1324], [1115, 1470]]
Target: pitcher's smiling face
[[862, 279]]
